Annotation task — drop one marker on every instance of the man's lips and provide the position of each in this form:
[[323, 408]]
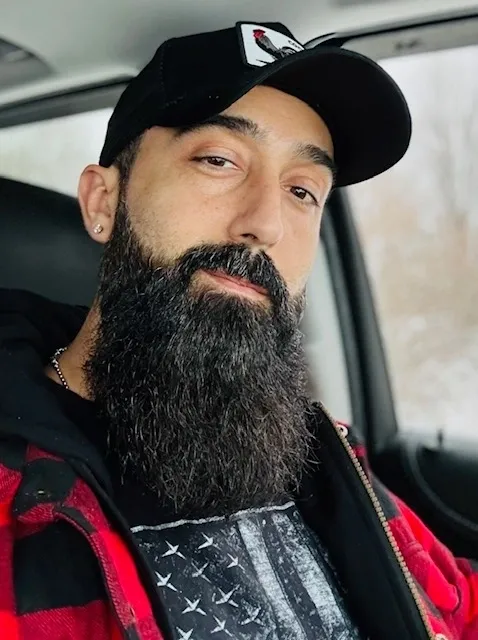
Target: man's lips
[[239, 284]]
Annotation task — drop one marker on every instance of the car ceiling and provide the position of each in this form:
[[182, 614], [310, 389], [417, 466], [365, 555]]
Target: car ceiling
[[83, 43]]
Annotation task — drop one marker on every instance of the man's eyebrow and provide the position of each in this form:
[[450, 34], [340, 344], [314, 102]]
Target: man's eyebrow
[[246, 127], [236, 124], [316, 155]]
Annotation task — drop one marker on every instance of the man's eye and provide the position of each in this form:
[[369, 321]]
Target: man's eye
[[214, 161], [304, 195]]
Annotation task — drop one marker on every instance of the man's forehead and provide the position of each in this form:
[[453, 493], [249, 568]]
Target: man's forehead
[[262, 103], [264, 112]]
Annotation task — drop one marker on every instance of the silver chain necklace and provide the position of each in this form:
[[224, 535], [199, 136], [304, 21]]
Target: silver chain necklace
[[56, 365]]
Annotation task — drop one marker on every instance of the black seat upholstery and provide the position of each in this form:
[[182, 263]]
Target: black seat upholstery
[[44, 247]]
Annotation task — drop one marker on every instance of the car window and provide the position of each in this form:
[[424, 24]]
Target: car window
[[418, 224], [52, 153]]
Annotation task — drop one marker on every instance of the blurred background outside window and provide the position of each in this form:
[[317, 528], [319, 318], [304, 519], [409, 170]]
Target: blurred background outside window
[[418, 224], [53, 153]]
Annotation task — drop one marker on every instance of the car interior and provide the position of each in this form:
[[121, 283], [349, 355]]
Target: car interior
[[47, 72]]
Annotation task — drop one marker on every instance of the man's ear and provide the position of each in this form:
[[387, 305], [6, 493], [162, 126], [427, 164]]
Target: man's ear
[[98, 192]]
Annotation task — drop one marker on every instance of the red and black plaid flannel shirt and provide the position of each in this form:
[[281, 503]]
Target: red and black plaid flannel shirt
[[40, 526]]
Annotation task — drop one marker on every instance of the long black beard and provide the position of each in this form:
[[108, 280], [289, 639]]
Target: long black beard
[[204, 392]]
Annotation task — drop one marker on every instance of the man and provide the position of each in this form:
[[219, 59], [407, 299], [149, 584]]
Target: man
[[164, 472]]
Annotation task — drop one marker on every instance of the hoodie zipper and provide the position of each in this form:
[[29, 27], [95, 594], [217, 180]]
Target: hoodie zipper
[[385, 525]]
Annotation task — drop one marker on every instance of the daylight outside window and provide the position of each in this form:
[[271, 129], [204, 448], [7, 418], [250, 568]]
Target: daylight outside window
[[419, 227], [53, 153]]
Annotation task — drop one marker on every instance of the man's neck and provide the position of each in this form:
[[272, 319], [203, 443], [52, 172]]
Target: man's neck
[[73, 359]]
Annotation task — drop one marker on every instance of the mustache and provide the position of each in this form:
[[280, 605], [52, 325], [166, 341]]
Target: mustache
[[235, 260]]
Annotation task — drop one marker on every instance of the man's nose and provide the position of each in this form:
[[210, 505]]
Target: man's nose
[[259, 220]]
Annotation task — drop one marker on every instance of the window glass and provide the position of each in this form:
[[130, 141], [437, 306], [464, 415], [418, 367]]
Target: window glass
[[52, 153], [419, 227]]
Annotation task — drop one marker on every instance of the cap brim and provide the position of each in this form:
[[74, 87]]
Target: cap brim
[[362, 106]]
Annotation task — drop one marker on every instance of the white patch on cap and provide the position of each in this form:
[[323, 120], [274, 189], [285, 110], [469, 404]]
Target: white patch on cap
[[262, 46]]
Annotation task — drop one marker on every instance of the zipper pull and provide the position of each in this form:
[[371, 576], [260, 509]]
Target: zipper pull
[[342, 429]]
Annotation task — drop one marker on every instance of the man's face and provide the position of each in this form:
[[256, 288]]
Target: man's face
[[202, 379], [259, 182]]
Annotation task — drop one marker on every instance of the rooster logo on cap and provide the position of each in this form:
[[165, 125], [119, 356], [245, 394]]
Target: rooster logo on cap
[[265, 43]]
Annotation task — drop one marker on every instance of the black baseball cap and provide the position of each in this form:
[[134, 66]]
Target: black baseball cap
[[196, 77]]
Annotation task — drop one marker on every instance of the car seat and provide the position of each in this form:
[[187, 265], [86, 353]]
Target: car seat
[[44, 247]]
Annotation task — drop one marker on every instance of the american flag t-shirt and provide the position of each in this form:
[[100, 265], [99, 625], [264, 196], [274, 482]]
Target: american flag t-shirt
[[259, 574]]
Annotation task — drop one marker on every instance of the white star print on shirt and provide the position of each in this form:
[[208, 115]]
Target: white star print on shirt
[[208, 543], [221, 626], [234, 562], [199, 571], [252, 618], [173, 551], [194, 606], [226, 597], [163, 581]]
